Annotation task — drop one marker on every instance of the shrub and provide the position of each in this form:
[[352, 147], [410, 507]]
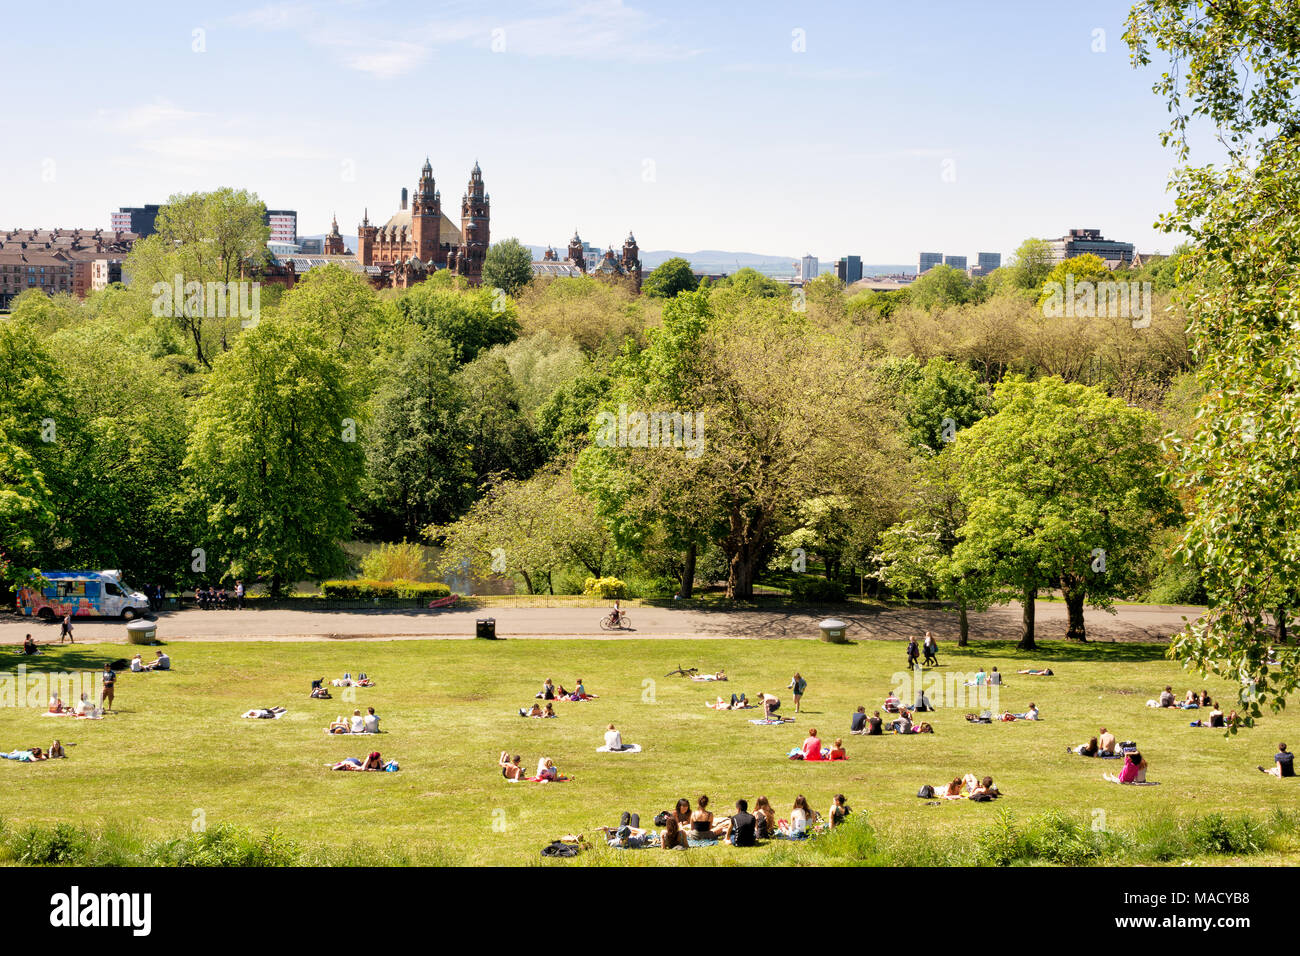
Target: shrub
[[811, 587], [362, 589], [395, 562], [608, 587]]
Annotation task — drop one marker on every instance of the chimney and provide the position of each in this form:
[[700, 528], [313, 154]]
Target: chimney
[[403, 197]]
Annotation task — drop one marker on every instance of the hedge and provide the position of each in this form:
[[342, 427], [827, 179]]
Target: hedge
[[363, 590]]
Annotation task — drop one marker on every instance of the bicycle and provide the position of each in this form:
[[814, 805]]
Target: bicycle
[[607, 623]]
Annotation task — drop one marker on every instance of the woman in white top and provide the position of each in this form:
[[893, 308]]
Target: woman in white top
[[613, 739], [137, 665], [800, 817], [358, 723]]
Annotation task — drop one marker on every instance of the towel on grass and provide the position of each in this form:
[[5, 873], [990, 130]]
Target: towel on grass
[[627, 749], [771, 720]]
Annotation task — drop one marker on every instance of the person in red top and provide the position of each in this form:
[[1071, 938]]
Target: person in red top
[[837, 752], [812, 747]]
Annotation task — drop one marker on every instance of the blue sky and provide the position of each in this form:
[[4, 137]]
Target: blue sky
[[945, 126]]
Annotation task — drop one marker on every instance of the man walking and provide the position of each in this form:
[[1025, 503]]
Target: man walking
[[239, 594]]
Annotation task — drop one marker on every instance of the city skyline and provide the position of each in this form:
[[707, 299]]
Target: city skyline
[[351, 97]]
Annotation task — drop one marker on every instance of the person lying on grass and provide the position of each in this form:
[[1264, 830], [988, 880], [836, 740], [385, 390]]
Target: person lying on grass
[[1030, 714], [340, 725], [319, 691], [1133, 771], [266, 713], [720, 675], [1036, 672], [57, 752], [26, 756], [1283, 763], [1090, 749], [372, 762], [511, 767]]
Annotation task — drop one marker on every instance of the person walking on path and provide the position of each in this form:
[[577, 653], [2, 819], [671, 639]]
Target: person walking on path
[[106, 696], [931, 648], [239, 594], [797, 685], [66, 629]]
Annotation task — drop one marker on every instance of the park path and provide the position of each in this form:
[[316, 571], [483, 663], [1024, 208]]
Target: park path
[[1129, 623]]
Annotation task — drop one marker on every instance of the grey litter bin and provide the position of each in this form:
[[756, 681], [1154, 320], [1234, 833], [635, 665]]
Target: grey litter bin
[[487, 627], [833, 631], [141, 632]]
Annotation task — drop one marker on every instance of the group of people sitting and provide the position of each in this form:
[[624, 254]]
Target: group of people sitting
[[160, 663], [359, 723], [812, 749], [968, 787], [83, 708], [875, 726], [32, 754], [991, 678], [684, 827], [1192, 701], [208, 597], [513, 770], [551, 692]]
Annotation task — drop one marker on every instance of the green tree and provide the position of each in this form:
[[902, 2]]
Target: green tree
[[495, 431], [670, 277], [508, 266], [940, 288], [1062, 489], [273, 456], [1068, 273], [1029, 265], [944, 398], [1234, 67], [469, 320]]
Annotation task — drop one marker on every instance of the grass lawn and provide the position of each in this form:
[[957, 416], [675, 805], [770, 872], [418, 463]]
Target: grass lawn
[[176, 746]]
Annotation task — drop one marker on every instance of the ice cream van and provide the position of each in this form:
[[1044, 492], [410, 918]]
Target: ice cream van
[[81, 594]]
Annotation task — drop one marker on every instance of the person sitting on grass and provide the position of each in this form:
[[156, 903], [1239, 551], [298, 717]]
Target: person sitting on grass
[[903, 725], [682, 813], [812, 746], [837, 752], [1105, 743], [984, 790], [358, 723], [766, 819], [1167, 697], [1133, 771], [674, 837], [744, 825], [875, 726], [1030, 714], [547, 772], [85, 707], [1205, 698], [534, 711], [57, 752], [839, 812], [548, 690], [858, 723], [801, 818], [370, 722], [980, 677], [994, 678], [614, 740], [1036, 672], [891, 704], [1216, 715], [56, 704], [1283, 763], [29, 646], [702, 826], [511, 767], [160, 663], [580, 692], [137, 665], [954, 790], [550, 710]]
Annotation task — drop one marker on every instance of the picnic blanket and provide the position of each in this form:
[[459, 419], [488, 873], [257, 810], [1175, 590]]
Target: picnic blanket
[[771, 720], [264, 714], [627, 749], [68, 713]]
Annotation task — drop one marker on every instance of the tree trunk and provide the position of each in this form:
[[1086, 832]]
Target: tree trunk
[[1281, 625], [688, 572], [740, 576], [1027, 620], [963, 625], [1074, 605]]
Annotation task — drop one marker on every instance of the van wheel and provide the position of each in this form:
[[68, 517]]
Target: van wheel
[[128, 614], [46, 614]]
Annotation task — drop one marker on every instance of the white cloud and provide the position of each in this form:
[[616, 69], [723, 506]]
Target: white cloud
[[135, 119]]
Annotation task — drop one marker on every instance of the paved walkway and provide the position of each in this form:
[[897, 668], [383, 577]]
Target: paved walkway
[[1130, 623]]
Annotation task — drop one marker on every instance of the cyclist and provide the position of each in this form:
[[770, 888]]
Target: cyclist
[[616, 615]]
